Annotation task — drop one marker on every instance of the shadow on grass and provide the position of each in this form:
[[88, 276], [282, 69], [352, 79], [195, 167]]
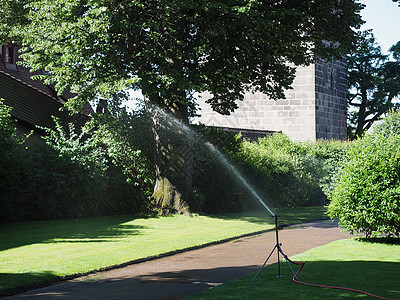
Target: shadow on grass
[[381, 240], [27, 281], [102, 229], [378, 278]]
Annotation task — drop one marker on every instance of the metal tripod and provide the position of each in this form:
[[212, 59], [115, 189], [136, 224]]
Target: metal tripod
[[279, 250]]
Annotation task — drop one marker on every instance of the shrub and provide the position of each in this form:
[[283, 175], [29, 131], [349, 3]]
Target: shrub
[[332, 156], [69, 173], [74, 173], [366, 198], [128, 142], [391, 124], [15, 166], [93, 171], [283, 172], [8, 129], [282, 168]]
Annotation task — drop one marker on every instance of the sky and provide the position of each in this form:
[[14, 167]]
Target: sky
[[383, 17]]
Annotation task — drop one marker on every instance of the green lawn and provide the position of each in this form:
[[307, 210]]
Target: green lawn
[[370, 267], [32, 252]]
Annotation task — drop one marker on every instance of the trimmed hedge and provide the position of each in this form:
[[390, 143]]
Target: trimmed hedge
[[283, 170]]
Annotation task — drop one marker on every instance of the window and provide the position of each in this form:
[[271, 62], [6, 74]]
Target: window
[[9, 55]]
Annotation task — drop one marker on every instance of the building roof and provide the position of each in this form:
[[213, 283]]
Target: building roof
[[32, 101], [28, 103]]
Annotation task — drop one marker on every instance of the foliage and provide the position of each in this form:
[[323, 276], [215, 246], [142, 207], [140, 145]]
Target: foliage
[[8, 129], [332, 156], [107, 168], [282, 172], [14, 17], [284, 169], [373, 83], [216, 189], [15, 165], [127, 140], [169, 49], [366, 198], [103, 169], [73, 184], [293, 173], [72, 174], [172, 49], [391, 124]]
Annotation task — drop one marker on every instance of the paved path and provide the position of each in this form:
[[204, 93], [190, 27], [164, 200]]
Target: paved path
[[181, 275]]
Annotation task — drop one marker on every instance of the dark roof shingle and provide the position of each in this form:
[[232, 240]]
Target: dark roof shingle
[[32, 101]]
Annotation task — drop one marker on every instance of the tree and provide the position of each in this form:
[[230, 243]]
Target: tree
[[169, 49], [374, 83]]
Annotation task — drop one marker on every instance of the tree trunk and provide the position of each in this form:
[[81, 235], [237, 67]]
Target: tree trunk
[[173, 152], [173, 159], [361, 114]]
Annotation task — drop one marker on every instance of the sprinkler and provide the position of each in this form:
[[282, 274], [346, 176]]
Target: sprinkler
[[278, 248]]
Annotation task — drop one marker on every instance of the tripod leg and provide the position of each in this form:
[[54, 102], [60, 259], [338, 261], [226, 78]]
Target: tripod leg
[[279, 262], [278, 245], [254, 279], [286, 258]]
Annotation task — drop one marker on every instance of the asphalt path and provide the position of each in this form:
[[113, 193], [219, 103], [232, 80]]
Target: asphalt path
[[189, 272]]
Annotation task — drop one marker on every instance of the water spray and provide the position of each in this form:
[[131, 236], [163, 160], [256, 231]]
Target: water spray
[[278, 246], [176, 123], [234, 171]]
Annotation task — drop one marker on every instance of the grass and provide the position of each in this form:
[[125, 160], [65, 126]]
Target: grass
[[370, 267], [36, 252]]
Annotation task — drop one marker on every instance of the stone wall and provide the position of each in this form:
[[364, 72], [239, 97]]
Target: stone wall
[[313, 109], [248, 134], [330, 99]]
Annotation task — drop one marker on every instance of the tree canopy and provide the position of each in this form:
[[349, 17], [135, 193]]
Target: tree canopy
[[169, 48], [374, 83]]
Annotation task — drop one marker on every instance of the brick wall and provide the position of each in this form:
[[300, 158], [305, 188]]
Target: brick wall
[[315, 107]]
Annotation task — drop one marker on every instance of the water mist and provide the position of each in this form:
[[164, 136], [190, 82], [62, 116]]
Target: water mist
[[222, 158], [176, 125]]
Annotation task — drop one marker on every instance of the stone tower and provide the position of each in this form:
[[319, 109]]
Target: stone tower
[[314, 109]]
